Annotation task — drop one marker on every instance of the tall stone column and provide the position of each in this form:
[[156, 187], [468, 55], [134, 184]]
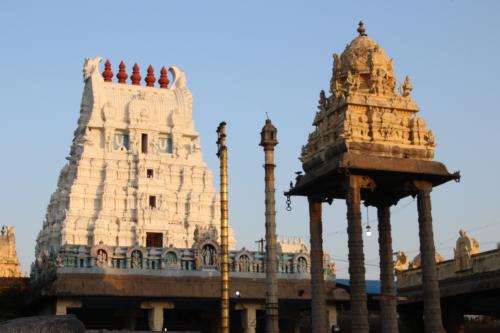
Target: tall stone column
[[388, 304], [432, 307], [269, 141], [318, 300], [359, 309]]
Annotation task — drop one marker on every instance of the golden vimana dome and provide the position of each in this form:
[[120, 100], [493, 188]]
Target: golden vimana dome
[[365, 113], [365, 66]]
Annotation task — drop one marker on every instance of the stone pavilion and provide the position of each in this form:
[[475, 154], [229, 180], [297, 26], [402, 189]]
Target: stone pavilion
[[369, 143]]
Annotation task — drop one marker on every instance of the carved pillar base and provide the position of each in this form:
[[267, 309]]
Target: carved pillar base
[[155, 313], [318, 300], [432, 307]]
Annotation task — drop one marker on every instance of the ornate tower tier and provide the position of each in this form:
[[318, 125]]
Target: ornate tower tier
[[135, 174], [364, 113]]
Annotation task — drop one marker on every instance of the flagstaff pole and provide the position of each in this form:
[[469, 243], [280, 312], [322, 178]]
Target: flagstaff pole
[[222, 154]]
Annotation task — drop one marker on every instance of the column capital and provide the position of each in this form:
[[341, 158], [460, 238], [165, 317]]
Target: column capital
[[422, 185], [380, 200], [157, 304], [319, 198], [358, 181], [249, 306]]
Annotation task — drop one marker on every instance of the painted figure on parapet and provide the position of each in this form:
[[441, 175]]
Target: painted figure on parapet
[[402, 262], [466, 246]]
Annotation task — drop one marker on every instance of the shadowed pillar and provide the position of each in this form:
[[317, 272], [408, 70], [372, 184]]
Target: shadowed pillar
[[359, 310], [318, 300], [388, 304], [432, 307]]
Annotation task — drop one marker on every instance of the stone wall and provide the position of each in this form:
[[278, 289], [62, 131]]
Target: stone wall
[[479, 263]]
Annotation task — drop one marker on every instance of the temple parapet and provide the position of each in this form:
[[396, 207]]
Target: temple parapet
[[468, 260], [202, 256]]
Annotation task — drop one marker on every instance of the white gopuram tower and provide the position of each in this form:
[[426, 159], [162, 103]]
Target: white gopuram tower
[[135, 174]]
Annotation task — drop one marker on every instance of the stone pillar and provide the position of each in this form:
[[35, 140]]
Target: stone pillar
[[269, 141], [332, 317], [62, 305], [359, 308], [318, 300], [430, 284], [155, 313], [388, 303], [249, 316]]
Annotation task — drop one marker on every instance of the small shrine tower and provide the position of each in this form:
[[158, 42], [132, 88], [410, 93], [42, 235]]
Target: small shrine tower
[[9, 263], [369, 144]]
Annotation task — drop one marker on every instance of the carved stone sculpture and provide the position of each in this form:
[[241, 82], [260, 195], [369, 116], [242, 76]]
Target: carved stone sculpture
[[402, 262], [464, 249], [417, 263]]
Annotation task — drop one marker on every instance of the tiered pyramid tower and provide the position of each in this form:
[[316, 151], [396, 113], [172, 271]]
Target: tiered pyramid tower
[[135, 174]]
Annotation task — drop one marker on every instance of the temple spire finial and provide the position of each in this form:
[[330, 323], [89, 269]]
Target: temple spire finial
[[150, 77], [108, 73], [163, 80], [136, 76], [361, 29], [122, 74]]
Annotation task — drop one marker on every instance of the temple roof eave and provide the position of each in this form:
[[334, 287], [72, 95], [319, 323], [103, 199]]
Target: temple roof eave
[[332, 174]]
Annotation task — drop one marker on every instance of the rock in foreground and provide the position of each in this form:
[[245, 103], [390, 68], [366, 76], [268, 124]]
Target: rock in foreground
[[43, 324]]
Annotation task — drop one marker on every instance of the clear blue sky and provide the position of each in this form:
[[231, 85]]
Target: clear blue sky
[[243, 59]]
